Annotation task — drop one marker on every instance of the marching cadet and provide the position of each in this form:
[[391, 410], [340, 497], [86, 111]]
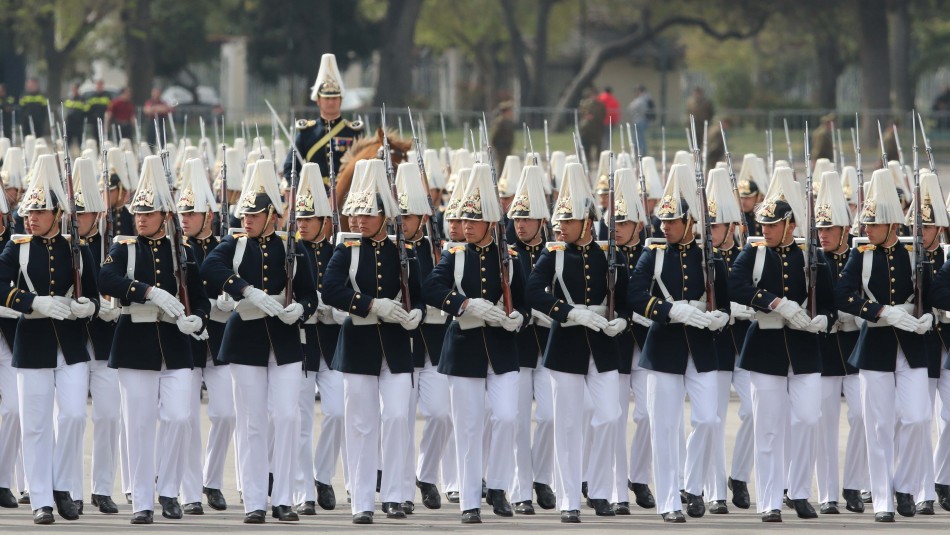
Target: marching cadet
[[629, 215], [9, 407], [770, 275], [750, 183], [534, 461], [891, 352], [584, 357], [480, 350], [430, 388], [374, 351], [331, 135], [940, 299], [725, 215], [103, 380], [151, 348], [51, 355], [663, 291], [120, 186], [322, 331], [261, 344], [196, 209], [833, 219]]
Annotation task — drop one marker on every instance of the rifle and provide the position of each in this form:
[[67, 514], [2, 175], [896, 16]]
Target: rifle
[[445, 144], [841, 159], [524, 139], [880, 137], [504, 256], [897, 141], [290, 260], [919, 252], [611, 225], [434, 232], [708, 258], [705, 144], [179, 254], [788, 143], [811, 244], [769, 151], [334, 209], [642, 178], [72, 221], [400, 235], [856, 142], [108, 220], [224, 214], [547, 158], [834, 147], [743, 231], [290, 139], [662, 152], [548, 228], [582, 157]]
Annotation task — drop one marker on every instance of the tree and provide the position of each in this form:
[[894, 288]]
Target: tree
[[875, 67], [397, 34], [530, 75], [137, 36]]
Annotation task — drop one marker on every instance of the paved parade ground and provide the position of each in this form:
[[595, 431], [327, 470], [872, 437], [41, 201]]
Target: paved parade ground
[[447, 518]]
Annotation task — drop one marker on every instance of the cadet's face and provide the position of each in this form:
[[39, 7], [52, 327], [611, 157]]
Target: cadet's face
[[371, 226], [775, 233], [930, 235], [626, 230], [87, 222], [829, 238], [603, 199], [149, 224], [571, 230], [747, 203], [674, 230], [719, 233], [255, 224], [476, 231], [329, 106], [41, 222], [310, 228], [877, 233], [411, 225], [455, 230], [527, 229], [192, 223]]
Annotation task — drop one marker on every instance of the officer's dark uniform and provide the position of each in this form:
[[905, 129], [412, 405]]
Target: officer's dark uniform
[[75, 118], [314, 146], [96, 105], [33, 105]]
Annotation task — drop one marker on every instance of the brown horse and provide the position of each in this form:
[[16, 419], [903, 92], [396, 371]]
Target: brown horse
[[365, 149]]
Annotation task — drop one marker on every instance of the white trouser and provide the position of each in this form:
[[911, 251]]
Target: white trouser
[[471, 399], [9, 418], [856, 475], [104, 387], [265, 402], [303, 466], [523, 480], [926, 491], [52, 458], [542, 447], [435, 408], [714, 484], [666, 396], [888, 398], [641, 449], [376, 408], [619, 493], [942, 452], [408, 465], [784, 405], [743, 450], [856, 454], [449, 464], [217, 380], [331, 439], [152, 400], [571, 416]]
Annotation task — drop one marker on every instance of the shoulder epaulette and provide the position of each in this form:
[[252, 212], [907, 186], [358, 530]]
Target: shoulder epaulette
[[351, 243], [82, 241], [409, 246], [655, 246], [603, 247], [239, 235], [128, 241], [24, 239], [304, 124], [555, 246], [456, 249], [715, 249], [801, 246], [862, 248], [758, 243], [512, 251], [909, 248]]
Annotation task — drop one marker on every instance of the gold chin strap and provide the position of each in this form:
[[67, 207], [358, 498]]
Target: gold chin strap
[[784, 232], [688, 229]]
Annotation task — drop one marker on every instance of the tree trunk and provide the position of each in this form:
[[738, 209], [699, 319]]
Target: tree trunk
[[54, 60], [395, 56], [828, 56], [900, 55], [519, 52], [875, 62], [139, 58], [540, 59]]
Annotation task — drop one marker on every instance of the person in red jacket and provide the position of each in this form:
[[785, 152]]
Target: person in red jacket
[[612, 106]]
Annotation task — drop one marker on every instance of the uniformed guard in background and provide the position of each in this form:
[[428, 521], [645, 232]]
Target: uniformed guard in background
[[50, 351], [262, 344], [204, 468], [752, 182], [97, 103], [9, 405], [374, 351], [33, 106], [329, 136], [534, 461], [480, 352], [103, 380]]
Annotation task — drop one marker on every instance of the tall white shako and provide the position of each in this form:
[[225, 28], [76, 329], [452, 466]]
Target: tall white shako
[[530, 201], [783, 200], [152, 194], [45, 191], [195, 194], [329, 82], [934, 209], [679, 197], [831, 204], [752, 180], [262, 191], [510, 174], [575, 200], [628, 205], [435, 174], [371, 195], [721, 203], [849, 184], [558, 159], [882, 206], [13, 171], [119, 169], [312, 199], [413, 197], [86, 190], [479, 202], [455, 198], [652, 178]]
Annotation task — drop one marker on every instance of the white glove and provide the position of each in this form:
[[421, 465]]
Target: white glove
[[82, 307], [592, 321], [640, 320], [485, 310], [899, 318], [688, 315], [740, 312], [109, 313], [166, 301], [717, 320], [200, 337], [615, 327], [389, 309], [291, 313], [9, 313], [225, 303], [261, 300], [50, 307], [925, 323], [414, 317], [793, 313], [339, 316], [189, 324], [818, 324], [542, 320], [513, 321], [324, 312]]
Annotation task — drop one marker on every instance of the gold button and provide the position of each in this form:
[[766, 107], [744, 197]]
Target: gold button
[[892, 268], [52, 270], [786, 288], [353, 307], [784, 263], [482, 257], [155, 249], [447, 302], [51, 281], [379, 263], [484, 291], [685, 288], [158, 260], [158, 284], [890, 257], [685, 277], [684, 266], [158, 272], [785, 275], [588, 277], [51, 257], [265, 279], [483, 269], [320, 285], [893, 291], [586, 266], [319, 263], [379, 276], [379, 288], [265, 255], [893, 279]]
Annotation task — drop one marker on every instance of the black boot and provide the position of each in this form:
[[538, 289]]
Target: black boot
[[925, 507], [621, 508], [142, 517], [430, 495], [326, 498], [674, 517], [193, 508], [255, 517], [7, 499], [695, 507], [363, 517], [284, 513], [452, 496], [775, 515], [718, 507], [307, 508], [829, 508], [572, 516], [497, 499], [216, 499], [644, 498], [471, 516], [601, 507], [546, 498], [852, 500], [65, 505], [170, 507], [803, 509], [105, 504], [740, 493], [905, 504], [524, 508], [393, 510], [884, 516], [943, 496], [43, 515]]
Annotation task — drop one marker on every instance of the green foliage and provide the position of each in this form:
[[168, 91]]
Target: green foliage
[[179, 35], [733, 85]]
